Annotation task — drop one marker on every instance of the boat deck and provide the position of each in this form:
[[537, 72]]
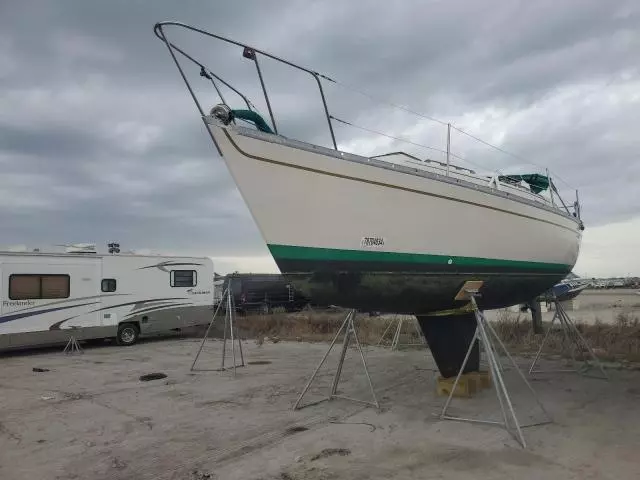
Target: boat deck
[[428, 169]]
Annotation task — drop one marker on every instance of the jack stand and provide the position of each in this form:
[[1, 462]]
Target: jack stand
[[229, 324], [570, 333], [349, 330], [72, 346], [485, 334], [396, 336]]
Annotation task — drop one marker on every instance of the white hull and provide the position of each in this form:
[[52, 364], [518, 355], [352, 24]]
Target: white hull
[[363, 234], [296, 206]]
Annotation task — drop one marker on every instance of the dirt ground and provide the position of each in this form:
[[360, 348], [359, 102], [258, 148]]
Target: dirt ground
[[607, 305], [90, 417]]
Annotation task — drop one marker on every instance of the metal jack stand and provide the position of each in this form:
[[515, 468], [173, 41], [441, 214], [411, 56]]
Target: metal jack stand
[[230, 325], [486, 334], [570, 334], [349, 330], [72, 346], [396, 336]]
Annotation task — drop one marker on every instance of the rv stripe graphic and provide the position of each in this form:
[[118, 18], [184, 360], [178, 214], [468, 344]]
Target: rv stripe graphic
[[56, 326], [16, 316]]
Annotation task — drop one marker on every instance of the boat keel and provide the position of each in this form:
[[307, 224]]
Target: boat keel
[[448, 338]]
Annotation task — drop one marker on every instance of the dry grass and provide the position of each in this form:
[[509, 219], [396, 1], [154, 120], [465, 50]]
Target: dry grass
[[321, 326], [612, 342]]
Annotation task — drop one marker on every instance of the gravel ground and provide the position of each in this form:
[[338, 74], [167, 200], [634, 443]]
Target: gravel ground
[[91, 417]]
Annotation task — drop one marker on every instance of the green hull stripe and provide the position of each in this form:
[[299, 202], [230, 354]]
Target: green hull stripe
[[291, 252]]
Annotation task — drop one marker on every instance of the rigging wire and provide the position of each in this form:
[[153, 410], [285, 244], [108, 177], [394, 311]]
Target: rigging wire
[[391, 104], [490, 144], [391, 136], [376, 132], [378, 100], [441, 122], [421, 115]]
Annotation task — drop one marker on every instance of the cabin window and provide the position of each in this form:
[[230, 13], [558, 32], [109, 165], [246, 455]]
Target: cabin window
[[36, 287], [183, 278], [108, 285]]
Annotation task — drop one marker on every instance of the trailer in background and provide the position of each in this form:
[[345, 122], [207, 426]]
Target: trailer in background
[[264, 292]]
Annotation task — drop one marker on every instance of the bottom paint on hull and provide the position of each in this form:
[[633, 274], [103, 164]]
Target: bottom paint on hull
[[378, 283], [409, 283], [415, 293]]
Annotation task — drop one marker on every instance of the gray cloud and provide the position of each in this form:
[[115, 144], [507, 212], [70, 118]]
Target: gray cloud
[[99, 139]]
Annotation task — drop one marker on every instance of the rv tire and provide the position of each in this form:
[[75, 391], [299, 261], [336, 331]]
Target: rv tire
[[128, 334]]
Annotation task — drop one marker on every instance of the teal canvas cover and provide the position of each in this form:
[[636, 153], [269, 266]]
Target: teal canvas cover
[[537, 183], [255, 118]]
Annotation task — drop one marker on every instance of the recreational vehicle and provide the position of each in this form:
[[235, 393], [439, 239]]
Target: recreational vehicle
[[48, 297]]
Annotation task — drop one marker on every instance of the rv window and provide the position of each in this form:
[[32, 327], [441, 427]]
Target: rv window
[[34, 287], [183, 278], [54, 286], [108, 285]]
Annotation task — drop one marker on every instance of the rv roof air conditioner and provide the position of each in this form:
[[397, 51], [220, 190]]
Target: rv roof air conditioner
[[81, 248]]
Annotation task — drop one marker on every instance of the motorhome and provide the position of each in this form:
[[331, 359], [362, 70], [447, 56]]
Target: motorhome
[[45, 298]]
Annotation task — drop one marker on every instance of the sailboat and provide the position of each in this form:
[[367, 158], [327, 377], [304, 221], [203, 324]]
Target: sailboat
[[390, 233]]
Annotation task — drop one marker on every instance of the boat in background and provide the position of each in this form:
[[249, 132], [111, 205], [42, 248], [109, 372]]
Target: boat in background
[[391, 233], [568, 288]]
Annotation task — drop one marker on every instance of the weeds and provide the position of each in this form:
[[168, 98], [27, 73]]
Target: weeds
[[322, 326], [614, 342]]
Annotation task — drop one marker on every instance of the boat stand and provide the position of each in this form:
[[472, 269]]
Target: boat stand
[[72, 346], [396, 336], [571, 334], [348, 326], [486, 335], [230, 326]]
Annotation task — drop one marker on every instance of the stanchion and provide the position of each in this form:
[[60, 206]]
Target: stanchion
[[395, 341], [486, 335], [72, 346], [571, 334], [229, 325], [348, 326]]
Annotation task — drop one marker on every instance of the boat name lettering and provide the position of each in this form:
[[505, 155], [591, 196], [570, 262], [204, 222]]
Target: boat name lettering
[[193, 291], [372, 242], [18, 303]]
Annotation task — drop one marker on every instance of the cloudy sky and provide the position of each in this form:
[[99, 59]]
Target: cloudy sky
[[100, 141]]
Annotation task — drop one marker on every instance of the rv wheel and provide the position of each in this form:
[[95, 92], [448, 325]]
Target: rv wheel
[[127, 334]]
